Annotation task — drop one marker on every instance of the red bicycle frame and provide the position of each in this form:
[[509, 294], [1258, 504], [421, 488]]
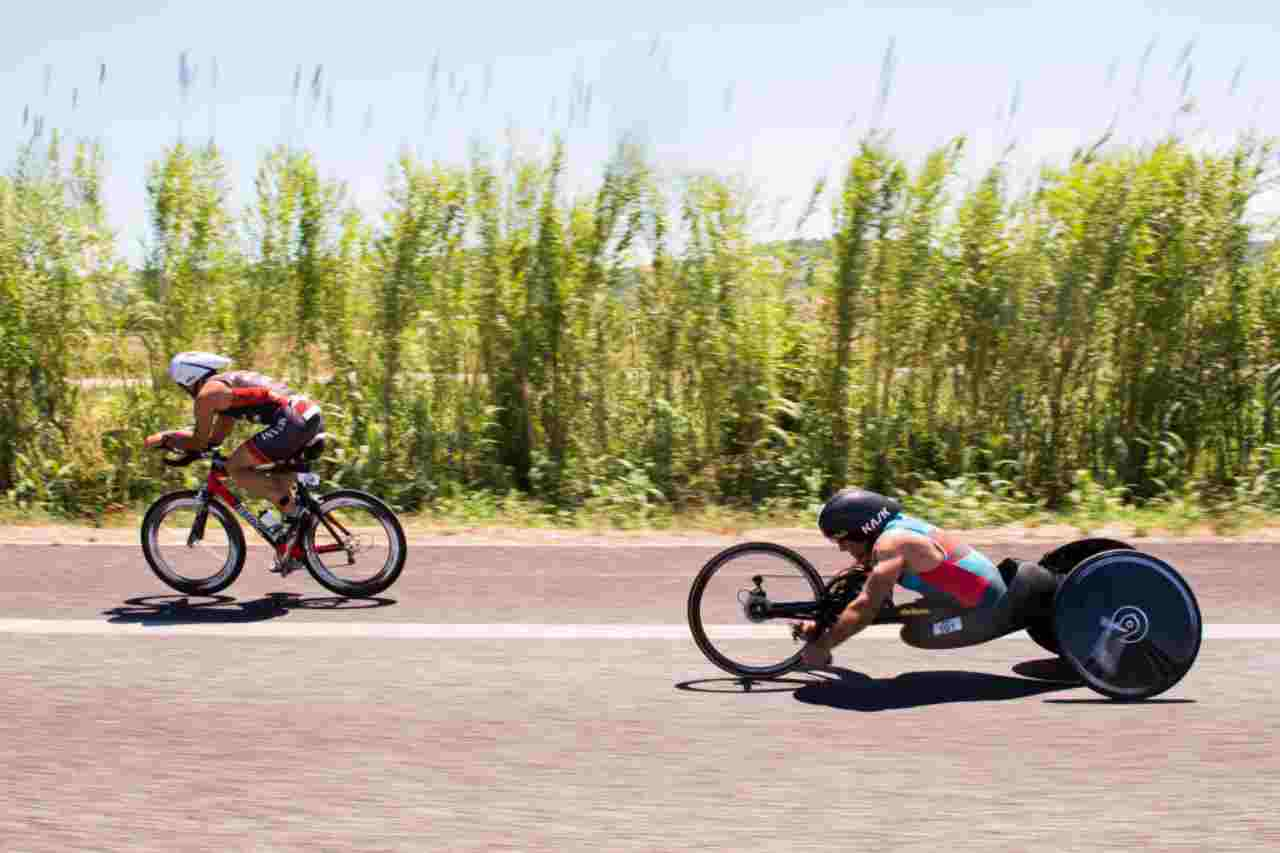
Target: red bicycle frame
[[215, 485]]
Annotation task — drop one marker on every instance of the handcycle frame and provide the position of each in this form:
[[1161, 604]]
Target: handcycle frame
[[826, 608], [1128, 623]]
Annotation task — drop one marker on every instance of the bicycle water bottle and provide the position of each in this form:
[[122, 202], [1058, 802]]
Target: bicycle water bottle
[[269, 519]]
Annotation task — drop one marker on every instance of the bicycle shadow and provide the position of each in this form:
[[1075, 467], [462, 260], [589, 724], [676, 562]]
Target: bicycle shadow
[[856, 691], [225, 609], [781, 684]]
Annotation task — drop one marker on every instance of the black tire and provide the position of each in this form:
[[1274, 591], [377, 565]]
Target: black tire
[[1061, 561], [317, 535], [1128, 623], [161, 554], [789, 559]]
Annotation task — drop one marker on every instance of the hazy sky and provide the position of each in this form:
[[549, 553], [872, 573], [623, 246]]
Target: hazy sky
[[775, 91]]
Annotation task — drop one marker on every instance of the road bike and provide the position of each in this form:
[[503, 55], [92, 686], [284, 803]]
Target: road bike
[[351, 542], [1128, 623]]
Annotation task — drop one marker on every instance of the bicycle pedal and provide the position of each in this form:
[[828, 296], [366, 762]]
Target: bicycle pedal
[[285, 567]]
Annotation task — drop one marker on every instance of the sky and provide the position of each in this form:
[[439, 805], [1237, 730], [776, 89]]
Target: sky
[[777, 93]]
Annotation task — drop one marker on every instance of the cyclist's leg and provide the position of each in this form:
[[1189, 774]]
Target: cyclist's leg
[[1030, 590], [282, 439], [285, 438], [260, 484]]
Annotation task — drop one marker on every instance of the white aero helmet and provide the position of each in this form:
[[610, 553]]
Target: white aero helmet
[[188, 369]]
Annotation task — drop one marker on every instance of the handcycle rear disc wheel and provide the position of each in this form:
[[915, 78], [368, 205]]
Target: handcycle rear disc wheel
[[1061, 561], [717, 608], [354, 546], [1128, 623], [208, 566]]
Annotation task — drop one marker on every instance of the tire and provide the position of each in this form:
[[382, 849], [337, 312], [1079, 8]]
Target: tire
[[162, 547], [318, 536], [1129, 624], [1061, 561], [753, 558]]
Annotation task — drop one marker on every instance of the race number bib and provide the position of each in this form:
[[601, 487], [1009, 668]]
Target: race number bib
[[946, 626]]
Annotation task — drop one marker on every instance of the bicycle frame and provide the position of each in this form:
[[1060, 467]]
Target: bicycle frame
[[216, 486]]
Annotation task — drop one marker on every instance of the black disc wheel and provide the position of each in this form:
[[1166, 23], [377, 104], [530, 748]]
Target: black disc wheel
[[1061, 561], [195, 547], [1128, 623], [743, 604]]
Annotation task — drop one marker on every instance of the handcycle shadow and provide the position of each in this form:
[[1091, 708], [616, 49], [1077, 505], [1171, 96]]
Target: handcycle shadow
[[225, 609], [838, 687], [856, 691]]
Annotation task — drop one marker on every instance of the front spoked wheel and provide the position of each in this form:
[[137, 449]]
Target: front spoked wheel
[[743, 604], [354, 544], [193, 554]]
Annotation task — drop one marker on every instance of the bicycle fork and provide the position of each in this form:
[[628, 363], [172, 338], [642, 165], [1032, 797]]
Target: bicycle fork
[[202, 517]]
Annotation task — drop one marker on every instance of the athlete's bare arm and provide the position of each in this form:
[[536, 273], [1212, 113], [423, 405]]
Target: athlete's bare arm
[[213, 398], [886, 562], [222, 426]]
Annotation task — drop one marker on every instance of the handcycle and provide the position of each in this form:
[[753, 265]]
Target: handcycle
[[1128, 623], [349, 541]]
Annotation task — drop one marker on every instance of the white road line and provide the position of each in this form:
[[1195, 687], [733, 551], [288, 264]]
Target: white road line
[[78, 538], [286, 628]]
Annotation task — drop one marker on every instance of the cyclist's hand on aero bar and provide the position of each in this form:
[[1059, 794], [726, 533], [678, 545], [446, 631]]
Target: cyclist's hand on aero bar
[[163, 440], [155, 440]]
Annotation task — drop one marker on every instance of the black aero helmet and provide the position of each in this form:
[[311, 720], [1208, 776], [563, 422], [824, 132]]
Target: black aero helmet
[[856, 514]]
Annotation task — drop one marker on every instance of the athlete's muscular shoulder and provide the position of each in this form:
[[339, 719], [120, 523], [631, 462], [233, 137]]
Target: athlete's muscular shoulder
[[917, 552], [214, 396]]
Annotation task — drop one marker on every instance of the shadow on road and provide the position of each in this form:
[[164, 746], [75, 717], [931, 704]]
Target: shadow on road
[[747, 685], [224, 609], [855, 691], [1102, 700], [1049, 669], [1057, 669]]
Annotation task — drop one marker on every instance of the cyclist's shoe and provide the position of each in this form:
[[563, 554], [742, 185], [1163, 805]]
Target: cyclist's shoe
[[286, 566]]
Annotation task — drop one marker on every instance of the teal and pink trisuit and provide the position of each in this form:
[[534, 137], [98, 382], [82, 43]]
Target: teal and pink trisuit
[[965, 575]]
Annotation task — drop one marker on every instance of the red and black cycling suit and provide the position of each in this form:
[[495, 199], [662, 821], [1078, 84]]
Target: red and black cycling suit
[[291, 419]]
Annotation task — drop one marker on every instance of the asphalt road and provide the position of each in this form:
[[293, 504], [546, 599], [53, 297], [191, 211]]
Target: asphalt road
[[143, 730]]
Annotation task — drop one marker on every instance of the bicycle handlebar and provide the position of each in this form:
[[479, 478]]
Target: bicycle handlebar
[[182, 461], [190, 456]]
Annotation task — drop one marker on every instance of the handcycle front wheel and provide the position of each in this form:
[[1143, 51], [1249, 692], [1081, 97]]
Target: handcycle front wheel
[[200, 563], [743, 603], [354, 544]]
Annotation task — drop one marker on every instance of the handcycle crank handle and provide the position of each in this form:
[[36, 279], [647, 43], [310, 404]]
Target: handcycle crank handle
[[797, 633]]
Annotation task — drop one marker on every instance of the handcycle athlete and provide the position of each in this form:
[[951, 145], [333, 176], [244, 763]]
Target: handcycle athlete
[[970, 599], [1127, 622]]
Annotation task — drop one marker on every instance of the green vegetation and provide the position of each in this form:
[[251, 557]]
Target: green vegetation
[[1103, 344]]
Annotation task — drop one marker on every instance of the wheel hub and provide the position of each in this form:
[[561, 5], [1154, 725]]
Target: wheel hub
[[755, 602]]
